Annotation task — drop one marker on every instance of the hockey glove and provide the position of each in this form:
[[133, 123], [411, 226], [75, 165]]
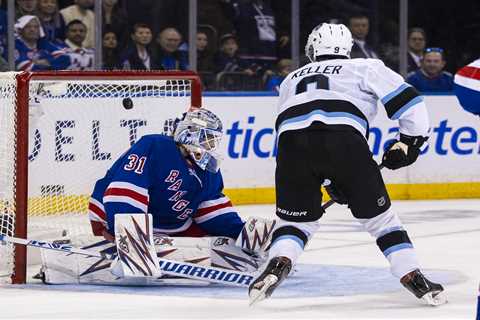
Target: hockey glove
[[334, 193], [404, 152]]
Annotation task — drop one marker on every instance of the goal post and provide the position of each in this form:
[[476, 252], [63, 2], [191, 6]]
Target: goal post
[[59, 133]]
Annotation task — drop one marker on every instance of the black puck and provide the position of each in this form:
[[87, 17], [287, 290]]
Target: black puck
[[127, 103]]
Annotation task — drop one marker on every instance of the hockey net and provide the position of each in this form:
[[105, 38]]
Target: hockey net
[[60, 132]]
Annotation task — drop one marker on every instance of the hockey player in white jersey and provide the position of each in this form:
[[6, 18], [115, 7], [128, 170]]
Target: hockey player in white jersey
[[324, 112]]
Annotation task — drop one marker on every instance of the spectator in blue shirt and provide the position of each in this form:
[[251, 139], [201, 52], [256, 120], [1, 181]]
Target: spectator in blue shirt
[[167, 52], [431, 77], [284, 67]]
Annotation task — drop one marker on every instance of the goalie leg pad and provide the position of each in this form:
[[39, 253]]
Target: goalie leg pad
[[256, 235], [135, 247]]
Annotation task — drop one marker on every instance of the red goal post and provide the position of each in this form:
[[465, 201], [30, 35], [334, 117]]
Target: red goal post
[[54, 126]]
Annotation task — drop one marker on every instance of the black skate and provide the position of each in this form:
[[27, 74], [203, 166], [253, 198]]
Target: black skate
[[430, 292], [276, 271]]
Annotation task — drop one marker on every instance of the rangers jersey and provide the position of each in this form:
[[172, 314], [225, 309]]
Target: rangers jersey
[[467, 87], [25, 57], [344, 92], [81, 58], [154, 177]]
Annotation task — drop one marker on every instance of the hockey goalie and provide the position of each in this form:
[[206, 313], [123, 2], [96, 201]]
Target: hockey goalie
[[163, 198]]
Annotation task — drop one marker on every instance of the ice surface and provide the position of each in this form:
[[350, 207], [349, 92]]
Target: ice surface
[[342, 274]]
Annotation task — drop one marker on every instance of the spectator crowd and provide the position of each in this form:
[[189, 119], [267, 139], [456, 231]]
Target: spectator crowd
[[241, 44]]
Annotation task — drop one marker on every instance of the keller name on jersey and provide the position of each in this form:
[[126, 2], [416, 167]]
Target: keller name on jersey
[[319, 69], [339, 94]]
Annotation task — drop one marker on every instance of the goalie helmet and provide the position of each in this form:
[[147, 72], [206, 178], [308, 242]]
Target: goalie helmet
[[200, 133], [329, 39]]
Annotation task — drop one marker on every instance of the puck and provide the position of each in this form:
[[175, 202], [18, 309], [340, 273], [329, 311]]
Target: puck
[[127, 103]]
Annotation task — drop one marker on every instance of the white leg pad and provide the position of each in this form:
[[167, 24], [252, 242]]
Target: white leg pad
[[135, 247]]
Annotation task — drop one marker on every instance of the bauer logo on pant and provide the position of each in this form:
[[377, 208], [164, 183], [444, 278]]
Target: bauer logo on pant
[[291, 213]]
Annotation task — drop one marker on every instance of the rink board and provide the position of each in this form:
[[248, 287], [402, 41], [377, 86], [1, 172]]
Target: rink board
[[450, 167]]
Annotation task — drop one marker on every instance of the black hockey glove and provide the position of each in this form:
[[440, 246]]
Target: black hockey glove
[[404, 152], [334, 193]]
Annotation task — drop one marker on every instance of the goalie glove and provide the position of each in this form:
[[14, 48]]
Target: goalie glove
[[403, 152], [334, 193]]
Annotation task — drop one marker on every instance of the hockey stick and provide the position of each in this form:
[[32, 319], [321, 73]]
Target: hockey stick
[[169, 267], [330, 202]]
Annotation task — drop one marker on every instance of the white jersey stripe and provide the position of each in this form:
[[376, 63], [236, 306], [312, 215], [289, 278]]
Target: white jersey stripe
[[127, 185], [394, 93], [213, 214], [410, 104], [467, 82], [97, 203], [92, 216], [128, 200], [211, 203]]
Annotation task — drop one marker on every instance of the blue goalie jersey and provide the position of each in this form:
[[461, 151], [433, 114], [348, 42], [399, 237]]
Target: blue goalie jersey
[[154, 177]]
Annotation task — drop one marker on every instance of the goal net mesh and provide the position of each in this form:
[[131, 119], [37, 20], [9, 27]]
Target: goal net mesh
[[77, 129]]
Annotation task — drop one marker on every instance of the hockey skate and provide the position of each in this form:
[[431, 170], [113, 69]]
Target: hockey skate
[[276, 271], [430, 292]]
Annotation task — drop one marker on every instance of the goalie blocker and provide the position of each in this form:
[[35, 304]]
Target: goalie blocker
[[135, 263]]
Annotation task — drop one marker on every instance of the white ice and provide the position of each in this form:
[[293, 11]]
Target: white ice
[[341, 275]]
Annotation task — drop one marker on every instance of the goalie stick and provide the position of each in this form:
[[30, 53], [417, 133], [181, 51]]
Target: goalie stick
[[169, 267]]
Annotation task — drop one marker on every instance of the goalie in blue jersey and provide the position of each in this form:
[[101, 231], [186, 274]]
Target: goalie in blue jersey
[[174, 177]]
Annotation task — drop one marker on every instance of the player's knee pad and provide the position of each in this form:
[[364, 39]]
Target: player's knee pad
[[300, 232]]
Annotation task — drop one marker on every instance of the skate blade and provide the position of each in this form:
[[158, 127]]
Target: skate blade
[[435, 298], [257, 295]]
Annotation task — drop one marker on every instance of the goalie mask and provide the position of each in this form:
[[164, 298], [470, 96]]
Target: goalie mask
[[329, 39], [200, 133]]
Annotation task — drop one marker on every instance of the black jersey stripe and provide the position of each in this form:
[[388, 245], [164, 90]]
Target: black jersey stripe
[[290, 231], [323, 105], [392, 239], [400, 100]]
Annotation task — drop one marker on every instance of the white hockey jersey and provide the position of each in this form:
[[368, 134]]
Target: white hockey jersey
[[81, 58], [341, 92]]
